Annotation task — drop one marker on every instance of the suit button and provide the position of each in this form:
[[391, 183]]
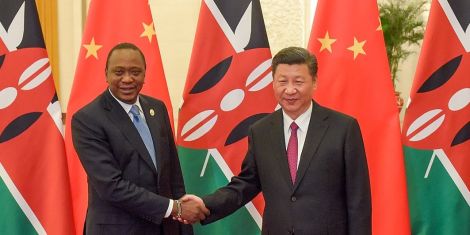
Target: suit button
[[293, 198]]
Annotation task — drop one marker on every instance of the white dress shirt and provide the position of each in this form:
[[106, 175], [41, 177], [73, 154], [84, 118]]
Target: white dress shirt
[[302, 121]]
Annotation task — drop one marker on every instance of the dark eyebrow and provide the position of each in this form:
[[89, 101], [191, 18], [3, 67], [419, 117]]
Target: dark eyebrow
[[131, 68]]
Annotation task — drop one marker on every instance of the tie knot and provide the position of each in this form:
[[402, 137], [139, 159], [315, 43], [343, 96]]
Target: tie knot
[[294, 127], [135, 112]]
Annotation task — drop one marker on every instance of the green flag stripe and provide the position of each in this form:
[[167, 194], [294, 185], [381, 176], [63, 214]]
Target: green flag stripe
[[206, 182], [228, 174], [18, 198], [436, 204], [453, 174], [12, 219]]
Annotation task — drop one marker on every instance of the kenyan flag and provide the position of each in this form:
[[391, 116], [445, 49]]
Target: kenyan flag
[[227, 89], [436, 130], [34, 182]]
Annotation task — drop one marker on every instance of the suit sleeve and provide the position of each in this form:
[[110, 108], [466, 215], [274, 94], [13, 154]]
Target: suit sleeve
[[357, 183], [105, 176], [240, 190]]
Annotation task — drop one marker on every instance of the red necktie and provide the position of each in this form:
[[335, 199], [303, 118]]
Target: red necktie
[[292, 151]]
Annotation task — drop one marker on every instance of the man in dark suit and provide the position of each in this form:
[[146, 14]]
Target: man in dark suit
[[125, 143], [313, 174]]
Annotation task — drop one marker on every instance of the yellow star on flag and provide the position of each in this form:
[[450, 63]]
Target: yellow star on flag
[[357, 48], [326, 42], [92, 48], [149, 31]]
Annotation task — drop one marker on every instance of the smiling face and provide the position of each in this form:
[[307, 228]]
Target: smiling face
[[125, 74], [293, 88]]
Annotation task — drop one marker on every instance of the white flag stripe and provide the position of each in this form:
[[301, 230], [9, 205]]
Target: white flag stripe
[[14, 36], [56, 114], [462, 34], [430, 165], [234, 41], [203, 170]]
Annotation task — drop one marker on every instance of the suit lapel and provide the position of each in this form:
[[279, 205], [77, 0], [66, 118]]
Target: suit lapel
[[121, 119], [277, 138], [316, 130], [153, 117]]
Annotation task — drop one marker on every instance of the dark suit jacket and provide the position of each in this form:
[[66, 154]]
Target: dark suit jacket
[[331, 194], [126, 194]]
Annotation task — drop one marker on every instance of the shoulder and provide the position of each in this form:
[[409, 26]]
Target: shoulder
[[332, 114], [148, 102], [274, 118], [94, 106], [152, 101], [89, 117], [334, 118]]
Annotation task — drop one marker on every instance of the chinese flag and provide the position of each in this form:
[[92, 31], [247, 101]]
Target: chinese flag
[[109, 22], [354, 78], [227, 89], [34, 182], [436, 130]]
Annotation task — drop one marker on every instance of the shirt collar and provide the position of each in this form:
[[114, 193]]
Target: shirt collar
[[302, 121], [125, 106]]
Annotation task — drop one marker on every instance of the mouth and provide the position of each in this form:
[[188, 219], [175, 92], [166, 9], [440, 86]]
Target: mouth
[[127, 90], [290, 101]]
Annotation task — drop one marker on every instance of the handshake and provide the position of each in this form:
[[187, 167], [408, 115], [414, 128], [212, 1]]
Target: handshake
[[189, 209]]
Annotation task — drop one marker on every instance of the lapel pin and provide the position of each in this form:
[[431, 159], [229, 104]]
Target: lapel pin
[[152, 112]]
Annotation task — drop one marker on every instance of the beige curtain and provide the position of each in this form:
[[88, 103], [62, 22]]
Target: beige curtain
[[47, 10]]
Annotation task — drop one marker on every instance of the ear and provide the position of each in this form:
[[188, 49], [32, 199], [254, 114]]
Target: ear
[[106, 75]]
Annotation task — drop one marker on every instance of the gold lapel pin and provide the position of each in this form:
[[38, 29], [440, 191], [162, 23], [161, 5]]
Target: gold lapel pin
[[152, 112]]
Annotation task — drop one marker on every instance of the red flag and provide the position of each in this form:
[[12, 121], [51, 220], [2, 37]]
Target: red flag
[[110, 22], [354, 78], [34, 184], [436, 130]]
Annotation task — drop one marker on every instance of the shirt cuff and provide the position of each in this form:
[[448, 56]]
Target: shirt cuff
[[170, 207]]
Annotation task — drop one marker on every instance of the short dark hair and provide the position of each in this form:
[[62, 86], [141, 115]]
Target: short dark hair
[[125, 45], [296, 55]]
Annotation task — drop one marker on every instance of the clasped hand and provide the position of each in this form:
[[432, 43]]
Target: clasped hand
[[192, 209]]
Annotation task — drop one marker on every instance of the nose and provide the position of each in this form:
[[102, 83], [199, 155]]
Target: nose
[[127, 77], [290, 89]]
